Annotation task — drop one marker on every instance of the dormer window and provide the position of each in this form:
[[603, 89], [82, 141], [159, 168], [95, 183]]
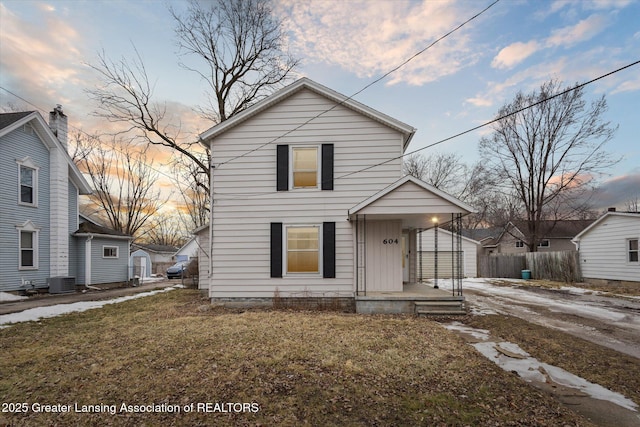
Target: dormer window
[[27, 183]]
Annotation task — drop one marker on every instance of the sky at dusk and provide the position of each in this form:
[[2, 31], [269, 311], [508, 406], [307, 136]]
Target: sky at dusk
[[461, 82]]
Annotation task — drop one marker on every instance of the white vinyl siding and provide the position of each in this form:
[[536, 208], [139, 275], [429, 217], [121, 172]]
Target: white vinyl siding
[[245, 188], [604, 249], [410, 198]]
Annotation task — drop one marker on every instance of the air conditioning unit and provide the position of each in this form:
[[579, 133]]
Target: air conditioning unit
[[61, 285]]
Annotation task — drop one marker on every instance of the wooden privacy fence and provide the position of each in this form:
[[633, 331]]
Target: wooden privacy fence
[[563, 266], [501, 265]]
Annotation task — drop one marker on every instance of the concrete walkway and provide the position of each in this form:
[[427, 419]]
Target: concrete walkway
[[45, 300]]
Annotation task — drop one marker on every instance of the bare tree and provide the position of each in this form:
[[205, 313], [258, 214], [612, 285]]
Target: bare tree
[[192, 185], [445, 171], [123, 180], [241, 46], [163, 229], [633, 204], [548, 153]]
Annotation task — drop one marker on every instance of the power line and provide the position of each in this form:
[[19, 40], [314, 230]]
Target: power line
[[497, 119], [393, 70]]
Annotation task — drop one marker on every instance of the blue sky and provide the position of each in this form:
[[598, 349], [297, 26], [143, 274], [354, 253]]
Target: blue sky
[[456, 85]]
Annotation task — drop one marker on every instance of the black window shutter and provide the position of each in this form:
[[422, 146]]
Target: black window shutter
[[329, 250], [327, 167], [276, 249], [282, 162]]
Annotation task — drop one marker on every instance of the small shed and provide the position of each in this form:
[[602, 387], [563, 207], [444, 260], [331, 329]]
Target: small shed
[[139, 264], [446, 255]]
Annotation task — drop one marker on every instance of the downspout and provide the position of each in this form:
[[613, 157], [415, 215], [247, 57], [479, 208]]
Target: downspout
[[211, 203], [87, 265]]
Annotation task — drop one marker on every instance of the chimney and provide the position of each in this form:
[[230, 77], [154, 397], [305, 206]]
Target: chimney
[[611, 210], [58, 124]]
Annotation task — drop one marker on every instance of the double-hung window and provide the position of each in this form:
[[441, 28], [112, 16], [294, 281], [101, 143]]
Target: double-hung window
[[27, 246], [519, 244], [303, 249], [632, 250], [27, 183], [304, 167]]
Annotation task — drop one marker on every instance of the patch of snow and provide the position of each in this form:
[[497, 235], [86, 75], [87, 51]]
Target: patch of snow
[[481, 334], [34, 314], [531, 369], [6, 297]]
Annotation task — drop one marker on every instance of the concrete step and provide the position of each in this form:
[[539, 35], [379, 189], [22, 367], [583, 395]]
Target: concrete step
[[439, 307]]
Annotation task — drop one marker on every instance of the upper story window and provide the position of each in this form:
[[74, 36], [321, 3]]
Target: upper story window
[[304, 167], [27, 183], [109, 252], [519, 244], [632, 250]]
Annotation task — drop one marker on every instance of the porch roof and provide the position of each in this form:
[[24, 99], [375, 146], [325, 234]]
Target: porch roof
[[412, 201]]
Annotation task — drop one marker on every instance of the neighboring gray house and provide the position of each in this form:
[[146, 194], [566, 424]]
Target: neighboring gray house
[[311, 202], [609, 248], [555, 236], [102, 254], [39, 190]]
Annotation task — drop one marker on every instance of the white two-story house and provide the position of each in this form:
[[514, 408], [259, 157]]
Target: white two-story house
[[309, 200]]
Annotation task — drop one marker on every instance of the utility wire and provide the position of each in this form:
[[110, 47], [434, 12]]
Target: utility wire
[[361, 90], [497, 119]]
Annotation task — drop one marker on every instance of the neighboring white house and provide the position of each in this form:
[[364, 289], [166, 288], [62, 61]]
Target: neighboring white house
[[609, 247], [188, 251], [447, 254], [39, 191], [310, 199]]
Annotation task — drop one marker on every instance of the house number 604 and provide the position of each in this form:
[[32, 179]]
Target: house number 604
[[390, 242]]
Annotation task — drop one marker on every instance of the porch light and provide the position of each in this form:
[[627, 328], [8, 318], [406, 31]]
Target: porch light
[[434, 219]]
